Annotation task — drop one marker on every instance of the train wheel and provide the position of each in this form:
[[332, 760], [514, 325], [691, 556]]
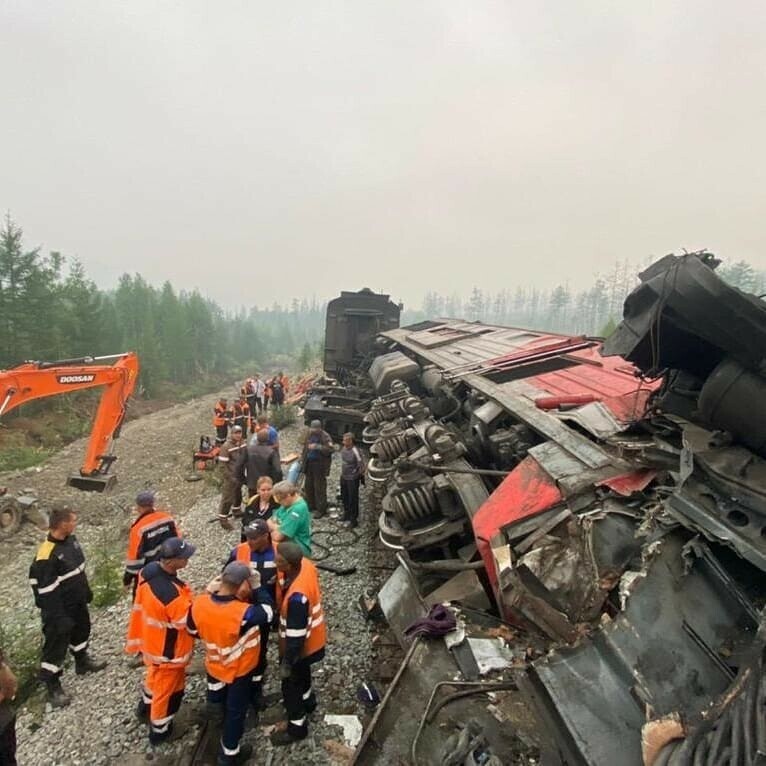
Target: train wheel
[[11, 517]]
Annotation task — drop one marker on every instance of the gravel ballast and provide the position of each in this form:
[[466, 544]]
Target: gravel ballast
[[100, 727]]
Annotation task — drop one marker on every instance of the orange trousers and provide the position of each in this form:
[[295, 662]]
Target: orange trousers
[[162, 694]]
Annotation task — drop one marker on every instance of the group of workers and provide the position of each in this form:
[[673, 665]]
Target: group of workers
[[244, 462], [255, 395], [267, 583]]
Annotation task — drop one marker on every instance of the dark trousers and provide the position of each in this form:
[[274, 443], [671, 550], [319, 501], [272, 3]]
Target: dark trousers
[[70, 631], [349, 496], [8, 740], [235, 698], [258, 404], [221, 432], [256, 691], [251, 403], [315, 487], [299, 699], [231, 496]]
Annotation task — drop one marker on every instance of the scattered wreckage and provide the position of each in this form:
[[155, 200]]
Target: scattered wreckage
[[594, 513]]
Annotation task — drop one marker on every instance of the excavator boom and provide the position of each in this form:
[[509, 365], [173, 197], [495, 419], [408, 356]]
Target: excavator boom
[[37, 380]]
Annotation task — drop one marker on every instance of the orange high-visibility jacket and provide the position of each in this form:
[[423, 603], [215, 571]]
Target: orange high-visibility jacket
[[158, 620], [147, 534], [306, 586], [229, 653], [219, 414]]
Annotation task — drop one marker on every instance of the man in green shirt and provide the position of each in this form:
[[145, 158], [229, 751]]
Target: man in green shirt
[[292, 520]]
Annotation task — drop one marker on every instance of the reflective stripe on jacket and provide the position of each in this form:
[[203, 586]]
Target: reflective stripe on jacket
[[313, 631], [158, 619], [147, 534], [229, 652], [219, 415]]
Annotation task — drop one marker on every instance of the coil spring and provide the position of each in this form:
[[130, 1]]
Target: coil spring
[[414, 505], [391, 448], [377, 416]]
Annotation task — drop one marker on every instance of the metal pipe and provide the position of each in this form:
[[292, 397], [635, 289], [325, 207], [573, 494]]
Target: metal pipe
[[379, 710], [478, 687], [442, 469], [11, 392], [446, 565]]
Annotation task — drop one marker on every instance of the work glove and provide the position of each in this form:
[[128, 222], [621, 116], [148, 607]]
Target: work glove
[[214, 585]]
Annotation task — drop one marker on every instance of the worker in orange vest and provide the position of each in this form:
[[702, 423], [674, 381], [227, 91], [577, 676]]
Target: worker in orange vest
[[241, 415], [302, 638], [258, 553], [230, 626], [147, 533], [158, 629], [221, 415]]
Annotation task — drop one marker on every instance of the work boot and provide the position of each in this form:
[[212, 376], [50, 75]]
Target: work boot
[[56, 695], [243, 756], [84, 663]]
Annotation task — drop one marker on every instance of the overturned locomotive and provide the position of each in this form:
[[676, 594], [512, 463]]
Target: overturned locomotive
[[601, 506]]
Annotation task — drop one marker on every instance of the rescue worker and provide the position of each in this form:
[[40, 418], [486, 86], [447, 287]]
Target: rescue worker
[[250, 394], [302, 638], [316, 459], [261, 460], [259, 387], [279, 389], [241, 414], [147, 533], [258, 553], [221, 421], [351, 476], [62, 594], [8, 687], [267, 392], [230, 627], [260, 505], [262, 424], [231, 459], [158, 625], [292, 520]]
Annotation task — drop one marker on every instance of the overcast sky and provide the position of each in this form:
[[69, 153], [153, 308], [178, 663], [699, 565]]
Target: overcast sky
[[265, 150]]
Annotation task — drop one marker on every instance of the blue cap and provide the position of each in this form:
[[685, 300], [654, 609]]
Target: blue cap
[[176, 548], [146, 498]]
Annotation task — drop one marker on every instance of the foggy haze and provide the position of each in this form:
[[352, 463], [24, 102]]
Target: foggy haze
[[260, 151]]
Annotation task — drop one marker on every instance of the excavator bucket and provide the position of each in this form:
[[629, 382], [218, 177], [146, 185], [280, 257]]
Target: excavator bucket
[[92, 483]]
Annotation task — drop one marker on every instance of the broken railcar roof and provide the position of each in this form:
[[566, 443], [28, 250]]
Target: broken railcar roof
[[491, 358]]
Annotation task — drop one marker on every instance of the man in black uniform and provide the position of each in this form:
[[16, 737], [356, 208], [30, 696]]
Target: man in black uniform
[[231, 458], [62, 594]]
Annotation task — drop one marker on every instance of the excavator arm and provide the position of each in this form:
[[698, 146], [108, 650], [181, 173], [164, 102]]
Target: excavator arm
[[37, 380]]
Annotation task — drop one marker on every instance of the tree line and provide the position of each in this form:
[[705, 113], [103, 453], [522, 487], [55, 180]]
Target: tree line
[[50, 309], [595, 310]]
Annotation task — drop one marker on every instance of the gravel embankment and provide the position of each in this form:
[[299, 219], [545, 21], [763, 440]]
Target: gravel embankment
[[99, 726]]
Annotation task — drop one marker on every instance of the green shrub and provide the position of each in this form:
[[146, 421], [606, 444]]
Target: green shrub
[[20, 639], [281, 417], [106, 577], [18, 458]]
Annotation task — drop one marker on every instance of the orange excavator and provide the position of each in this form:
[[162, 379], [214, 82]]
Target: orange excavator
[[36, 380]]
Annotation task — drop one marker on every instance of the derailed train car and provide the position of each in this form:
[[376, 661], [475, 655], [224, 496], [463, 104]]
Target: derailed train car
[[595, 513]]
